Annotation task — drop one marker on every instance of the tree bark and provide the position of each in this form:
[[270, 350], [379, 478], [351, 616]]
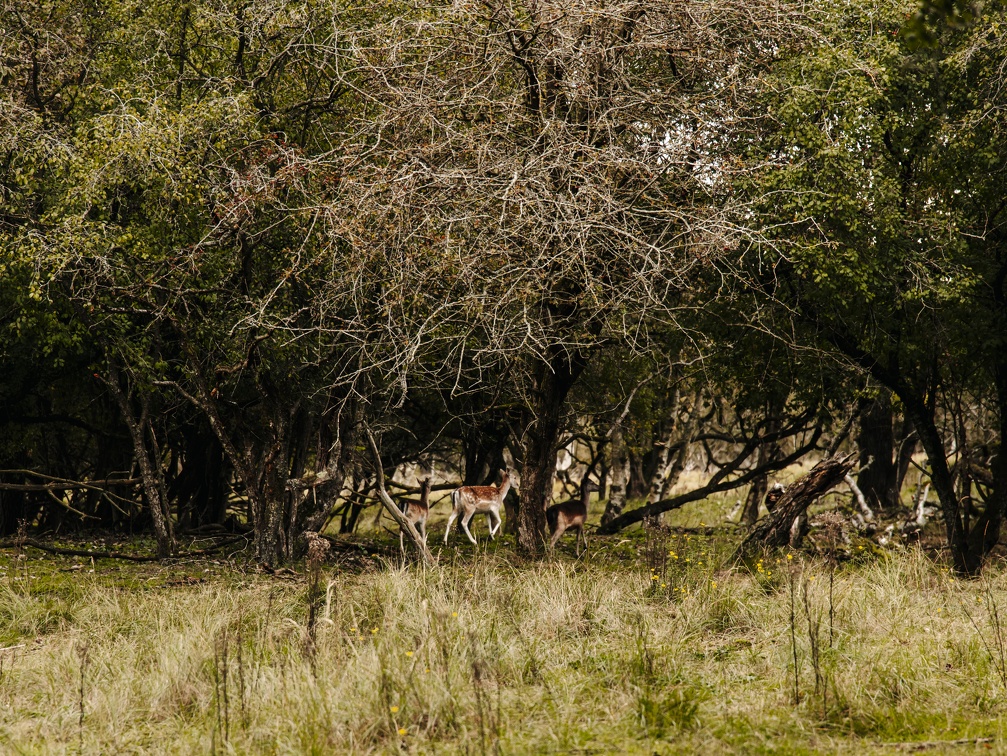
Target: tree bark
[[673, 451], [985, 534], [396, 514], [757, 493], [150, 470], [875, 443], [965, 561], [618, 476], [775, 531], [750, 512], [538, 453]]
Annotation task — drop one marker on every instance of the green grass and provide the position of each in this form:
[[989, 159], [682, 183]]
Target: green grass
[[648, 645]]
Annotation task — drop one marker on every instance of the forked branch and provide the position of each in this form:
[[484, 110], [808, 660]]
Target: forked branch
[[389, 504]]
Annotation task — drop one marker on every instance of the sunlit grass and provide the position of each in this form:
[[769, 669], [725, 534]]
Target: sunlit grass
[[649, 644]]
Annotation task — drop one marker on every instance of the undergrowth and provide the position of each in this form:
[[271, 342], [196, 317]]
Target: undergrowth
[[649, 644]]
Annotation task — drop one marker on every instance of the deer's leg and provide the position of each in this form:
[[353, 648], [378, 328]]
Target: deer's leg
[[581, 536], [451, 519], [494, 518], [422, 527], [465, 526], [560, 529]]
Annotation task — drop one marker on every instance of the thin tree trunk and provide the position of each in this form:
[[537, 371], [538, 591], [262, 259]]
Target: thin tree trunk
[[965, 561], [750, 512], [665, 451], [150, 470], [392, 508], [618, 476]]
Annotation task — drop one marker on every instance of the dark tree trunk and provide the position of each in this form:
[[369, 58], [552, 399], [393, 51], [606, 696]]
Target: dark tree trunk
[[483, 447], [875, 443], [775, 530], [767, 453], [638, 486], [965, 560], [750, 513], [538, 448], [985, 534]]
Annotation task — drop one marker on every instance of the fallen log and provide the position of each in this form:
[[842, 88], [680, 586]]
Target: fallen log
[[774, 531], [95, 554]]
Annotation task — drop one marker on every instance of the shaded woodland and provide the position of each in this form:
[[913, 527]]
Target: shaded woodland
[[260, 262]]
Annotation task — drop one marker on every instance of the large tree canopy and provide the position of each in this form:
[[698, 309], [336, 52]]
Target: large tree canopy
[[882, 199], [253, 232]]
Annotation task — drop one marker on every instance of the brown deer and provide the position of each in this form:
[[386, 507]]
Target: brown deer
[[416, 512], [570, 514], [473, 500]]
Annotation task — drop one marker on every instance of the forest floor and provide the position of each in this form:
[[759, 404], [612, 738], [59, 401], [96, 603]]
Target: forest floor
[[651, 643]]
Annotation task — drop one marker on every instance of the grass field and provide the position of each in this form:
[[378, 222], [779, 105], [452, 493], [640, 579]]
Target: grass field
[[650, 644]]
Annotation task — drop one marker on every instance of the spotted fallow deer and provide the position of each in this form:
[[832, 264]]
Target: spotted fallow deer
[[570, 514], [473, 500], [416, 512]]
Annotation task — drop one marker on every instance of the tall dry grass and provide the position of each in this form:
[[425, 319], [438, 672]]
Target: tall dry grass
[[646, 646]]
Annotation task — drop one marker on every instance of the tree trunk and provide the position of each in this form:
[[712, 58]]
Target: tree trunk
[[876, 443], [672, 452], [538, 453], [750, 512], [767, 453], [637, 486], [966, 561], [986, 532], [150, 469], [665, 451], [775, 531], [618, 476]]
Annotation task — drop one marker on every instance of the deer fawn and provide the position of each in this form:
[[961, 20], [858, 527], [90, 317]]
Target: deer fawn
[[570, 514], [416, 512], [473, 500]]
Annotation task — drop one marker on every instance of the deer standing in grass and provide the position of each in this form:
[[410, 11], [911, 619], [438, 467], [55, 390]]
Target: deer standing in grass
[[570, 514], [416, 512], [473, 500]]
